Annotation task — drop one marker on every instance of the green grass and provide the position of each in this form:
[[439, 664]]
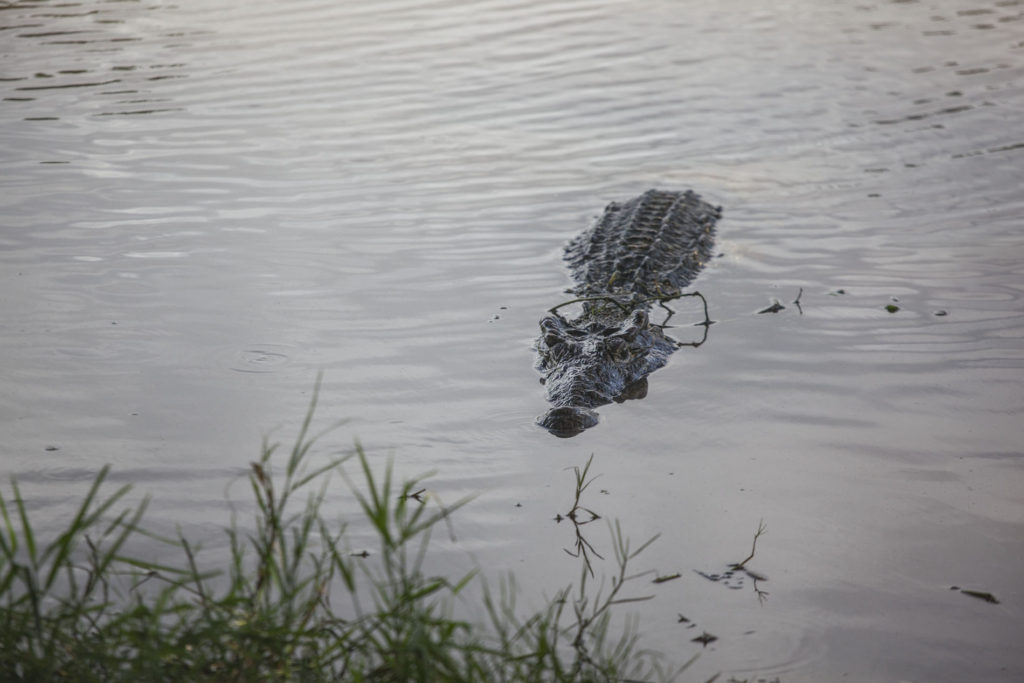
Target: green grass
[[289, 604]]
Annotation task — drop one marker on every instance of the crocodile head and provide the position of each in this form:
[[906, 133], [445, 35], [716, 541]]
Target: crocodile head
[[590, 362]]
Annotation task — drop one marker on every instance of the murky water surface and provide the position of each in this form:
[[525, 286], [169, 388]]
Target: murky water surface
[[204, 204]]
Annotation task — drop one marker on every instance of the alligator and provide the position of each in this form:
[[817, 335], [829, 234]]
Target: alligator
[[637, 253]]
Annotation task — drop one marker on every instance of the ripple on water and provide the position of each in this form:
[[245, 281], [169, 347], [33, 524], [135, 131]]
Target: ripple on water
[[260, 358]]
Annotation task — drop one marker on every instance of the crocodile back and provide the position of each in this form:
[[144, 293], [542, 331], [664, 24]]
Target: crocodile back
[[652, 245]]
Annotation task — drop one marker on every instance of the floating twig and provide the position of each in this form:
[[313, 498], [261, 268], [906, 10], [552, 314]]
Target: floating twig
[[774, 308], [981, 595], [582, 548], [667, 577], [761, 530], [584, 299]]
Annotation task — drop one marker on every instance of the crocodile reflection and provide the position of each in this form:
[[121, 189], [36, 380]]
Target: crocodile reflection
[[637, 253]]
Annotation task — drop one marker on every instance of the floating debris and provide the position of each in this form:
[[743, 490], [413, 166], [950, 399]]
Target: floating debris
[[733, 577], [892, 308], [774, 308], [981, 595], [668, 577], [755, 575], [418, 495], [704, 639]]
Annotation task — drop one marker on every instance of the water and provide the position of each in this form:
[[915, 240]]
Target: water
[[204, 205]]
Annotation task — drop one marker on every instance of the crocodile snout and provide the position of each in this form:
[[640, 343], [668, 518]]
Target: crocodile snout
[[567, 421]]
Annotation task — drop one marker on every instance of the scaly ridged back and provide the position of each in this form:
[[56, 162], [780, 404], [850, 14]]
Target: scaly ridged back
[[653, 245]]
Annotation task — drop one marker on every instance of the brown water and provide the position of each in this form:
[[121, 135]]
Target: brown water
[[204, 204]]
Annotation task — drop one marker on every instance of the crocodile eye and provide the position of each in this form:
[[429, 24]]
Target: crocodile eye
[[619, 350]]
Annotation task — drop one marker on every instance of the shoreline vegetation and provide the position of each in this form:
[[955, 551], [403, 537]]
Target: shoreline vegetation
[[293, 603]]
